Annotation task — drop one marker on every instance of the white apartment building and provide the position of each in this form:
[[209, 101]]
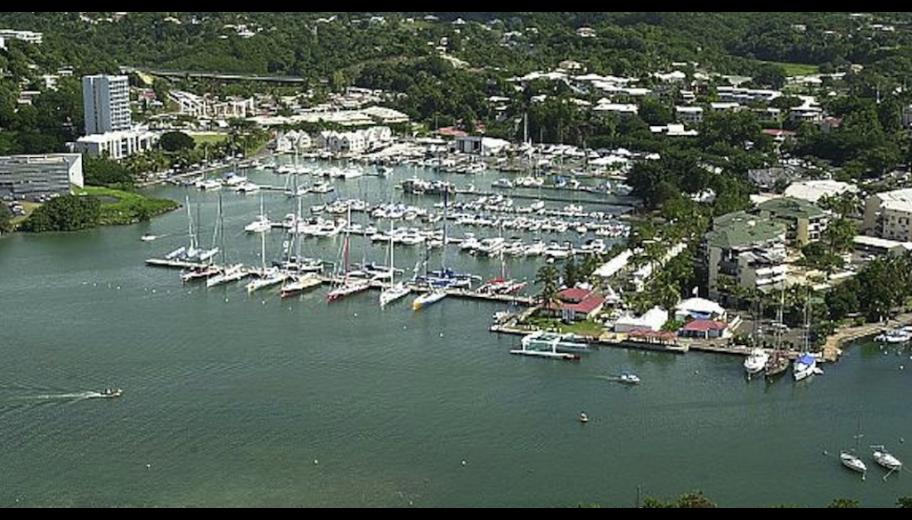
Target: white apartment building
[[26, 36], [116, 145], [106, 100], [355, 142]]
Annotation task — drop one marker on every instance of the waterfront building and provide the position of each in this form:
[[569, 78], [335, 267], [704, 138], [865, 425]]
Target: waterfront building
[[699, 309], [474, 144], [106, 101], [357, 141], [205, 106], [35, 177], [576, 304], [705, 329], [744, 250]]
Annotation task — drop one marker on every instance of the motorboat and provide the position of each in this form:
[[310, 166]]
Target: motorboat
[[247, 187], [234, 180], [756, 361], [885, 459], [629, 378], [148, 238], [804, 366], [110, 393], [852, 462], [583, 418], [894, 336], [502, 183], [490, 246], [209, 185]]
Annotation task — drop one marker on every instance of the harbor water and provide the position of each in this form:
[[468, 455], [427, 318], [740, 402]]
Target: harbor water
[[233, 399]]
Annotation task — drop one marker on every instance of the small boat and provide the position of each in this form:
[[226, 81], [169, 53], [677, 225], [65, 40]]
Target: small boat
[[267, 278], [231, 273], [852, 462], [885, 459], [804, 366], [199, 273], [894, 336], [629, 378], [776, 365], [148, 238], [756, 361], [428, 299], [349, 287], [259, 225], [111, 393], [583, 418]]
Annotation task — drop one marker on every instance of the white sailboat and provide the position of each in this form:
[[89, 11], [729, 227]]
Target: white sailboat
[[396, 290], [231, 272], [886, 459], [261, 223], [348, 285], [756, 361], [267, 277]]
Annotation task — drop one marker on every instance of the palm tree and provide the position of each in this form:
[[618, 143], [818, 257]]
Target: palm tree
[[547, 276]]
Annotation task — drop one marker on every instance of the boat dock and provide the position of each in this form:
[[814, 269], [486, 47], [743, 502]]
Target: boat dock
[[374, 284]]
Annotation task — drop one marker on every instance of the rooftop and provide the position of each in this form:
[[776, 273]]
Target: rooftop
[[741, 228], [790, 207]]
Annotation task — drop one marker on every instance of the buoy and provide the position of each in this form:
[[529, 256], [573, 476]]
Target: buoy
[[825, 452], [902, 440], [356, 314], [441, 334], [316, 462], [153, 291], [148, 466], [410, 502], [463, 463]]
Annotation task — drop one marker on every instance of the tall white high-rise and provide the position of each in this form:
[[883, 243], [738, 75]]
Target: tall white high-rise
[[106, 100]]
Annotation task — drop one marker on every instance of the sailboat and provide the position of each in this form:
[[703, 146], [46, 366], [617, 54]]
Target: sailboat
[[231, 272], [348, 285], [395, 290], [851, 461], [806, 364], [502, 285], [303, 279], [885, 459], [778, 361], [203, 270], [437, 291], [261, 223], [267, 277]]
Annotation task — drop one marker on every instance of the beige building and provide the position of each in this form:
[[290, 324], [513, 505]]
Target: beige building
[[744, 250], [889, 215], [805, 222]]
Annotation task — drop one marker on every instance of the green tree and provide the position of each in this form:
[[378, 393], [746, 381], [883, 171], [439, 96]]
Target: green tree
[[5, 216], [843, 503], [176, 141], [904, 502], [571, 272], [65, 213], [547, 277]]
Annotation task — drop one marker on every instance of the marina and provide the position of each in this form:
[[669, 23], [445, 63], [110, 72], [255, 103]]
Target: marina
[[224, 381]]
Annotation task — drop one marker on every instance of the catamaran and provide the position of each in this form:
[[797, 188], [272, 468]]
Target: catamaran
[[231, 272], [395, 291], [348, 285]]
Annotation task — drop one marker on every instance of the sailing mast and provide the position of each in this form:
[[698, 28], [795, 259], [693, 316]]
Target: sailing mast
[[446, 199], [392, 261]]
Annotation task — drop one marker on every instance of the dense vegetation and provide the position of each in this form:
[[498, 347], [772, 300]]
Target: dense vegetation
[[66, 213], [5, 219]]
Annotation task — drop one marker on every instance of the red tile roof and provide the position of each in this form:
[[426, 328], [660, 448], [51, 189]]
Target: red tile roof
[[704, 325], [451, 131], [574, 294], [589, 304]]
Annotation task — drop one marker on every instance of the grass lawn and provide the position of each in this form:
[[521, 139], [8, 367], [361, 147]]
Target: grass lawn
[[796, 69], [126, 207], [212, 137], [581, 328], [29, 207]]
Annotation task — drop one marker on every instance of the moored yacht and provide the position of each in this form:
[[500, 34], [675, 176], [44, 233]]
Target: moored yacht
[[756, 361]]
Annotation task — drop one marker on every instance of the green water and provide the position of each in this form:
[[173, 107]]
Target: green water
[[230, 399]]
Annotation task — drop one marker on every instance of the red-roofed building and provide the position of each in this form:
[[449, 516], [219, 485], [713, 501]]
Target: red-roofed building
[[778, 135], [451, 131], [704, 329], [577, 304], [829, 123]]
